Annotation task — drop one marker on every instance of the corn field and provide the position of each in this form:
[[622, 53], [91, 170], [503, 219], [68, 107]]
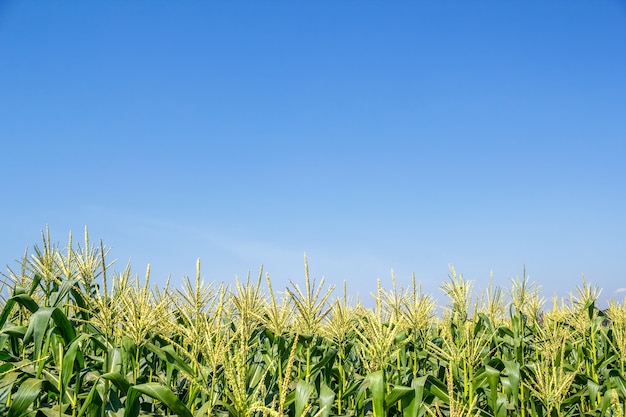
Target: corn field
[[79, 339]]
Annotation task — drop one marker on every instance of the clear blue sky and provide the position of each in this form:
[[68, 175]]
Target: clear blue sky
[[370, 134]]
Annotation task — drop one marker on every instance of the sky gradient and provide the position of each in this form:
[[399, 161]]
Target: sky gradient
[[371, 135]]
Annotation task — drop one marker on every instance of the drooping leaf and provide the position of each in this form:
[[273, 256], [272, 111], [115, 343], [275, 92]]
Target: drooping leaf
[[397, 393], [23, 300], [437, 388], [328, 357], [120, 382], [157, 392], [38, 326]]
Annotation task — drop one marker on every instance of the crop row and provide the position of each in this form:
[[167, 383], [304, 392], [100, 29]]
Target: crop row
[[77, 339]]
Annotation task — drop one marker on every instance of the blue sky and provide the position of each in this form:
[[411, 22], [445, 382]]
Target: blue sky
[[371, 135]]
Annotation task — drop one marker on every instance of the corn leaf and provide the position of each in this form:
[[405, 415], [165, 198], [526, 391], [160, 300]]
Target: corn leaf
[[326, 400], [158, 392], [27, 393], [303, 393], [397, 393], [120, 382], [377, 387]]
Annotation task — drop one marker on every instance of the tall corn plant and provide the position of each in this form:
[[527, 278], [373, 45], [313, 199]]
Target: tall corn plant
[[311, 306], [276, 321], [417, 318], [201, 338], [339, 329], [377, 331]]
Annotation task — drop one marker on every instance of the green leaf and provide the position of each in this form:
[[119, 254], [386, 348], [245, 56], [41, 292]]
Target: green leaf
[[14, 331], [397, 393], [6, 311], [88, 401], [26, 301], [83, 307], [114, 361], [493, 376], [412, 403], [158, 392], [169, 355], [594, 390], [51, 412], [73, 358], [303, 393], [437, 388], [326, 400], [377, 387], [328, 357], [204, 410], [33, 285], [418, 385], [63, 325], [24, 397], [512, 381], [617, 381], [58, 296], [38, 326], [131, 406], [19, 298], [118, 380], [6, 386]]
